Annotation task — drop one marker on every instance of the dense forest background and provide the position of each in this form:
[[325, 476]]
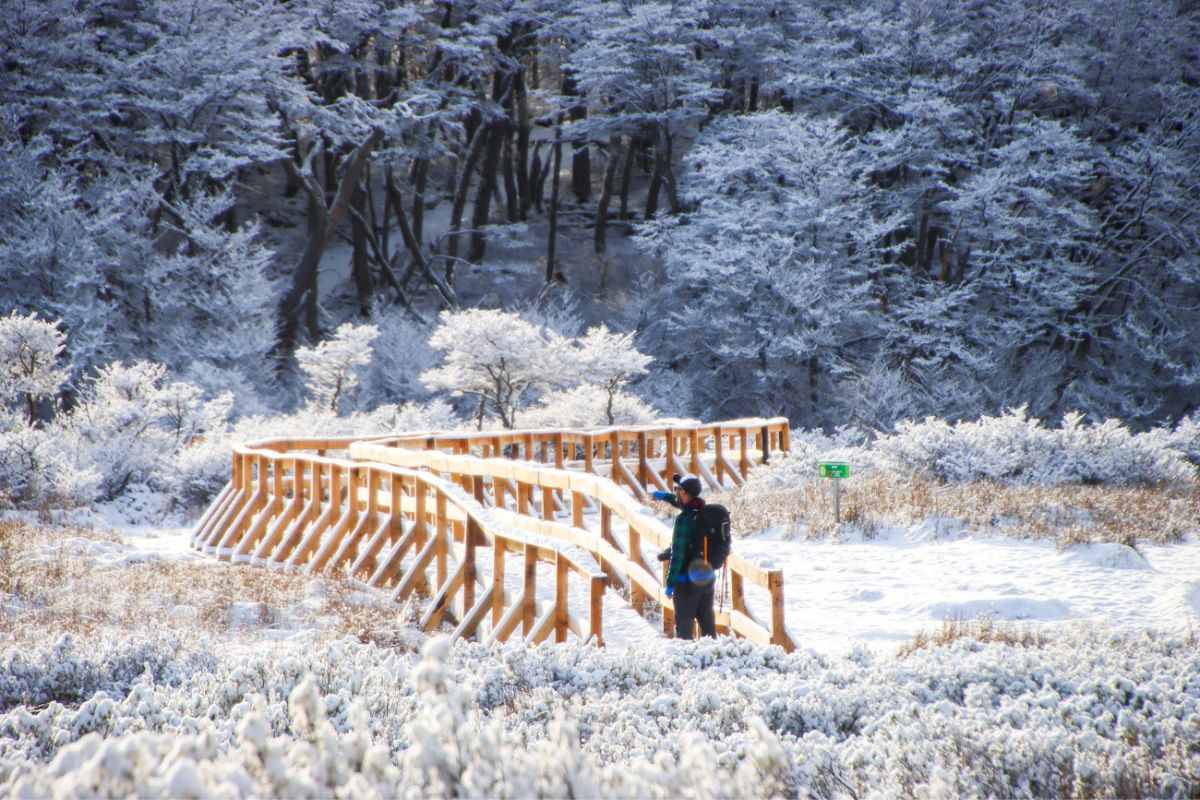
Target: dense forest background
[[850, 212]]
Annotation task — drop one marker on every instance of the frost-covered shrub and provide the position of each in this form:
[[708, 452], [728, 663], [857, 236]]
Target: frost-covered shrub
[[588, 406], [30, 350], [1089, 713], [36, 470], [331, 368], [808, 448], [130, 421], [1015, 448]]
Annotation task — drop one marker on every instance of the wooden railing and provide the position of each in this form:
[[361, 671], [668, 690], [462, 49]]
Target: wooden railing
[[409, 515]]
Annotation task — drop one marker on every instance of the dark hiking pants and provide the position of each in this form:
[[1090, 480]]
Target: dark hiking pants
[[694, 604]]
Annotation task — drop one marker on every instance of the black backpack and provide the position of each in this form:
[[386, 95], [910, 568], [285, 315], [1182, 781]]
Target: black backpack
[[715, 541]]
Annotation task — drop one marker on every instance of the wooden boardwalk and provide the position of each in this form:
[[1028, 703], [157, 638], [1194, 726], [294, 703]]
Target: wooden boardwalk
[[464, 521]]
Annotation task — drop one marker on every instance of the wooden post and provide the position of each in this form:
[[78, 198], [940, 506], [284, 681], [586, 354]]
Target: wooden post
[[596, 610], [744, 460], [589, 442], [499, 548], [577, 510], [561, 566], [469, 569], [558, 450], [719, 454], [548, 512], [778, 631], [765, 444], [643, 466], [668, 612], [524, 490], [498, 492], [737, 591], [529, 595], [785, 438], [694, 444], [614, 446]]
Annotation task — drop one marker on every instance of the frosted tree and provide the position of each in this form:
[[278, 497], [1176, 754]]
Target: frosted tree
[[30, 359], [608, 361], [332, 367], [498, 359], [774, 270]]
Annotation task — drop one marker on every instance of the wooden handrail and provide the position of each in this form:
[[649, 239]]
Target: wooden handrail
[[402, 507]]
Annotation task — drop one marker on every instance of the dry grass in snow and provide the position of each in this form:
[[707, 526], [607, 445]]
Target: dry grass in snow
[[1069, 514], [77, 581]]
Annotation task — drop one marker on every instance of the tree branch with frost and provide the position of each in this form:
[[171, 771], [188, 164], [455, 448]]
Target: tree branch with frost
[[331, 368]]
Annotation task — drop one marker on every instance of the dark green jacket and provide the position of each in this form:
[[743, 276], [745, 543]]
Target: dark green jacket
[[687, 525]]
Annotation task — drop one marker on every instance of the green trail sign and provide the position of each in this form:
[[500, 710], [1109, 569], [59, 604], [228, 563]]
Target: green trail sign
[[834, 469]]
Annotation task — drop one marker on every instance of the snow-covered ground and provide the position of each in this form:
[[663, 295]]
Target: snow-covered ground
[[880, 593]]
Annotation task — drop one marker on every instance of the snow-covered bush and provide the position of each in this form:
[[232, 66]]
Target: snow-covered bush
[[30, 350], [808, 448], [1087, 713], [498, 359], [131, 420], [1016, 448], [331, 368], [608, 361], [588, 406]]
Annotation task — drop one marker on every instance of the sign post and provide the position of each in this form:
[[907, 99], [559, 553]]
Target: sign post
[[835, 470]]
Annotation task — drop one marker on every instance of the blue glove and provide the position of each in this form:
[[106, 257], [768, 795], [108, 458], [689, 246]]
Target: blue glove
[[670, 590], [661, 495]]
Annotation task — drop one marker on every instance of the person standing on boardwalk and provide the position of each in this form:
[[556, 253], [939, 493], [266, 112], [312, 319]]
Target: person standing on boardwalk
[[693, 594]]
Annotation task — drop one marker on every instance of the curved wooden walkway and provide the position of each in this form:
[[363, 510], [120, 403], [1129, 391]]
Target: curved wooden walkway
[[466, 522]]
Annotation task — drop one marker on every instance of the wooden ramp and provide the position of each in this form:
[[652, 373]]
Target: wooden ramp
[[472, 523]]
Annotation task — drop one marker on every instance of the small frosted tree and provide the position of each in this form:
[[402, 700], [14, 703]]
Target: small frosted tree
[[496, 357], [608, 361], [30, 350], [331, 369]]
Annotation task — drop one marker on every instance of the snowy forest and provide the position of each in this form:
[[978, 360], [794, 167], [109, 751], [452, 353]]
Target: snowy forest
[[856, 212], [305, 302]]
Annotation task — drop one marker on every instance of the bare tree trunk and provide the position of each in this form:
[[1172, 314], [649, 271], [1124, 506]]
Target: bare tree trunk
[[414, 244], [537, 176], [627, 176], [302, 296], [581, 162], [511, 196], [615, 152], [554, 181], [483, 197], [460, 199], [521, 107], [420, 176], [359, 265]]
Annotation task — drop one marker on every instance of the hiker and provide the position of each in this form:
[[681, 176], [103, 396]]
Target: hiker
[[689, 584]]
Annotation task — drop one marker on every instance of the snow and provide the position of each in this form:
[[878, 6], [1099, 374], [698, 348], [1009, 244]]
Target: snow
[[839, 595], [881, 592]]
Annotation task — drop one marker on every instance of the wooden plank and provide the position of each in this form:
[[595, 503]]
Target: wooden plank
[[389, 568], [442, 599], [543, 627], [745, 625], [508, 623], [416, 572], [473, 617]]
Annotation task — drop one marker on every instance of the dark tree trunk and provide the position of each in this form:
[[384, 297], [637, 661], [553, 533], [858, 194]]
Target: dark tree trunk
[[555, 171], [610, 177], [537, 176], [627, 176], [524, 125], [581, 162], [479, 217], [511, 195], [420, 176], [460, 200], [302, 296], [359, 261]]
